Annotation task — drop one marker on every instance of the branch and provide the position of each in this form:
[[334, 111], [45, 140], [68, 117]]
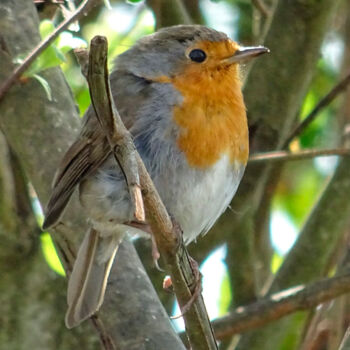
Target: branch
[[281, 156], [16, 74], [310, 254], [168, 13], [118, 136], [324, 102], [268, 129], [261, 6], [281, 304], [345, 344], [167, 237]]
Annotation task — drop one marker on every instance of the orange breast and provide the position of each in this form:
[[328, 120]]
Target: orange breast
[[212, 117]]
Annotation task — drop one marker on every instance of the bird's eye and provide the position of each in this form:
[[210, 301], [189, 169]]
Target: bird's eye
[[197, 55]]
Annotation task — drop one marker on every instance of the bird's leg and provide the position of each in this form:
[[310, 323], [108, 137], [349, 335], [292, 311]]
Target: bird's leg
[[196, 287], [155, 253], [146, 228]]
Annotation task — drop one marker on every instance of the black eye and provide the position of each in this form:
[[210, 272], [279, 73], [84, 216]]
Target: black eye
[[197, 55]]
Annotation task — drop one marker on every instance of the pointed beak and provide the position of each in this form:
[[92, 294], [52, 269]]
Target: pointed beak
[[244, 53]]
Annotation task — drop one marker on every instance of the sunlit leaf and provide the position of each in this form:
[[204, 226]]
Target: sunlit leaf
[[54, 55], [225, 295], [50, 254], [276, 262], [45, 85], [133, 1], [46, 27]]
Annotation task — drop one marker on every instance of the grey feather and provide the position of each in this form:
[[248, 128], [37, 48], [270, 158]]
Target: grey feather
[[87, 283]]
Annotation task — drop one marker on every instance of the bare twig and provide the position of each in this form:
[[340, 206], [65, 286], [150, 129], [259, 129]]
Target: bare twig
[[282, 156], [55, 2], [16, 74], [345, 344], [106, 340], [169, 240], [261, 6], [281, 304], [120, 141], [324, 102]]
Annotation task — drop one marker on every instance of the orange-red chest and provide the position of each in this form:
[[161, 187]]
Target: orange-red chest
[[212, 117]]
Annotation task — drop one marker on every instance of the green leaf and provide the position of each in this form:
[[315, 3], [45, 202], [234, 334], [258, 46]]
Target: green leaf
[[45, 85], [276, 262], [54, 55], [225, 295], [50, 254], [48, 59], [59, 54], [46, 27]]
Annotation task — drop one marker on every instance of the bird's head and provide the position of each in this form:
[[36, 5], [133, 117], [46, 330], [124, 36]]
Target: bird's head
[[184, 50]]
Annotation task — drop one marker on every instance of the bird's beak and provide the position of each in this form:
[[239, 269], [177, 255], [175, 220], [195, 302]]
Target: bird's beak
[[244, 53]]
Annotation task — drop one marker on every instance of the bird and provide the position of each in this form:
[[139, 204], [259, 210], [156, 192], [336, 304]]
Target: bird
[[179, 93]]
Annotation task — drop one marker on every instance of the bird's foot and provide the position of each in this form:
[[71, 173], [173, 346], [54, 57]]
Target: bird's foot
[[195, 287], [155, 254]]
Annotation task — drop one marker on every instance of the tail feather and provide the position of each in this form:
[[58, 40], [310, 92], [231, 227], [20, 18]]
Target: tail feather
[[87, 284]]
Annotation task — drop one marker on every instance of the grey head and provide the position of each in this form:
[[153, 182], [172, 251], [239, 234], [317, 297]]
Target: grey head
[[166, 51]]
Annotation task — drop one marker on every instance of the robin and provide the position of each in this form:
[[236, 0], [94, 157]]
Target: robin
[[178, 91]]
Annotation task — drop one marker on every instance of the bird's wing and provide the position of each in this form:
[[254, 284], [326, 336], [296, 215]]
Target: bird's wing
[[91, 148], [84, 156]]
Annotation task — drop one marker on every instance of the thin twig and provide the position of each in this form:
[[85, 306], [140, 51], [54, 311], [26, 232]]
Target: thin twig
[[345, 344], [261, 6], [118, 137], [167, 235], [54, 2], [324, 102], [106, 340], [282, 156], [16, 74], [281, 304]]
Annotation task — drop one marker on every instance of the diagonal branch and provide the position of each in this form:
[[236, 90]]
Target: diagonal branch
[[262, 7], [84, 7], [168, 238], [281, 304], [324, 102], [345, 344]]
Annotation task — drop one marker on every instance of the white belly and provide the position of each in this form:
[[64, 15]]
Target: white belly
[[198, 197], [195, 198]]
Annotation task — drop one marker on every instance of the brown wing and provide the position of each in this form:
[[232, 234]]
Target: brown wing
[[84, 156], [91, 148]]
